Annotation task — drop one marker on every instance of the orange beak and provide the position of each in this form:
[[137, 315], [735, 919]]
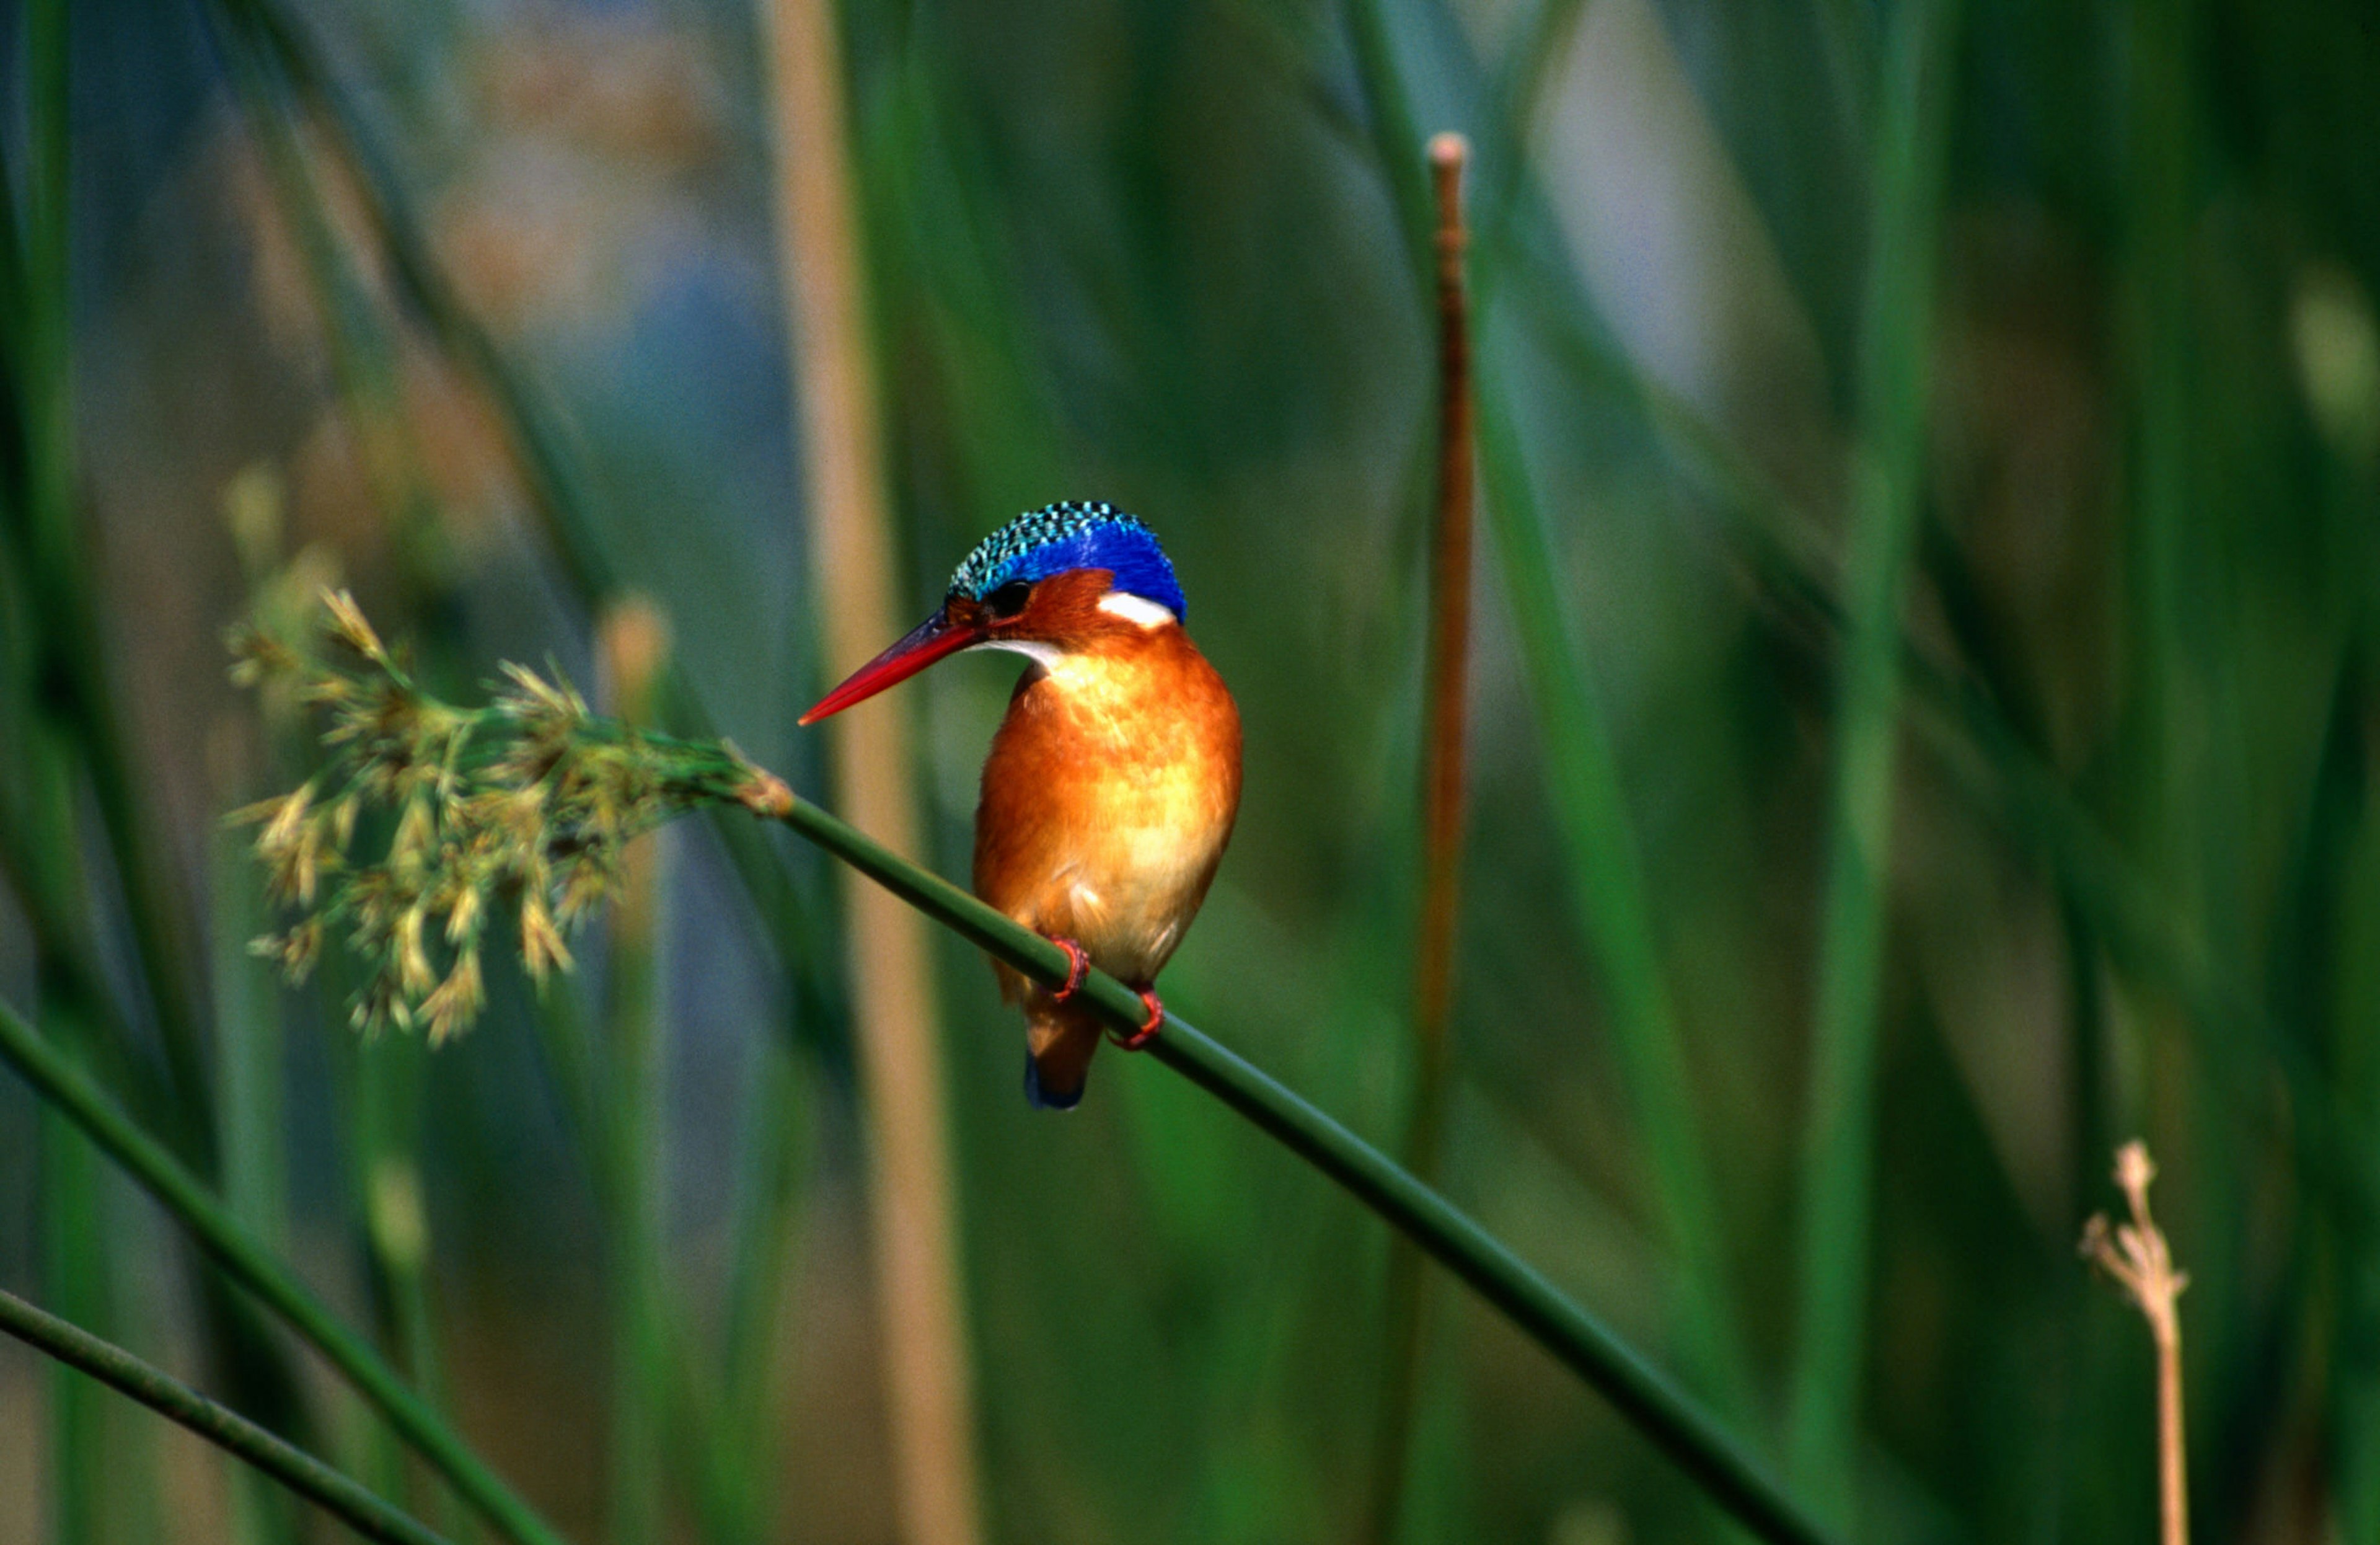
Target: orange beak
[[926, 643]]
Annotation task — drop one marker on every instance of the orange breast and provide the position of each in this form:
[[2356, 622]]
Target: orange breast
[[1108, 798]]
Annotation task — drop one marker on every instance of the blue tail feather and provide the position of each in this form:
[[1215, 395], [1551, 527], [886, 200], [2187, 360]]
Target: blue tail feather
[[1041, 1098]]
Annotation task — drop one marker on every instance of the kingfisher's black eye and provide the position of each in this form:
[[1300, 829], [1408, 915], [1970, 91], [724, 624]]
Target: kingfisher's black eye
[[1009, 600]]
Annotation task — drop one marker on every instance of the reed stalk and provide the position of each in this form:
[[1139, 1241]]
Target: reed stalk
[[1603, 870], [1608, 890], [1794, 575], [1670, 1418], [1886, 488], [518, 810], [78, 1349], [633, 644], [75, 1254], [896, 1022], [188, 1201], [250, 1090], [737, 1471], [75, 1269], [70, 653], [1446, 694]]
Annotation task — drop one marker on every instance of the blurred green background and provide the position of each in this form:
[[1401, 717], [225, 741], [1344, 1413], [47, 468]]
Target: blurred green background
[[1984, 398]]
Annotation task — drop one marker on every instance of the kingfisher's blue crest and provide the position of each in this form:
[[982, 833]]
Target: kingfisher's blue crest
[[1068, 535]]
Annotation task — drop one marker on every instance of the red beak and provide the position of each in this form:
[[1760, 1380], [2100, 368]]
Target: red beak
[[926, 643]]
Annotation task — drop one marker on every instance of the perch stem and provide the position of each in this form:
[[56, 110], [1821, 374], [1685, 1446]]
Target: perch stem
[[360, 1509]]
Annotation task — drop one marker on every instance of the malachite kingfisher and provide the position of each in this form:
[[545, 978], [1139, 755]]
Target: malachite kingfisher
[[1115, 779]]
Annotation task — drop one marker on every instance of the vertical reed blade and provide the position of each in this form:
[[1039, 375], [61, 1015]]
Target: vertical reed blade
[[1886, 488], [896, 1020]]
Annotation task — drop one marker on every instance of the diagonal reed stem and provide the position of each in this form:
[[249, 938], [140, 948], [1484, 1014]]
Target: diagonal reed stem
[[610, 778], [1649, 1398], [235, 1434], [236, 1250]]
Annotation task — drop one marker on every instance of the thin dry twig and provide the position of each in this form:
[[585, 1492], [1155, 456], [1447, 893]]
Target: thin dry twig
[[1442, 785], [1451, 621], [2136, 1257]]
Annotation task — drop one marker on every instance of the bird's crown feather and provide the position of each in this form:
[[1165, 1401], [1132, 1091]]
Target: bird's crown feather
[[1072, 534]]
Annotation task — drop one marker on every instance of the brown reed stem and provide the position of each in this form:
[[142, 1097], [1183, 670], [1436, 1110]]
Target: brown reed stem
[[1442, 785], [1450, 633], [894, 1007], [2136, 1257]]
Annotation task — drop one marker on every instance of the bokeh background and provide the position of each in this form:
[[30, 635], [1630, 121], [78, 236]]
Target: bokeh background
[[1988, 391]]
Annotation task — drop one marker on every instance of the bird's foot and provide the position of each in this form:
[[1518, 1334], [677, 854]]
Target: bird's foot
[[1149, 1027], [1079, 966]]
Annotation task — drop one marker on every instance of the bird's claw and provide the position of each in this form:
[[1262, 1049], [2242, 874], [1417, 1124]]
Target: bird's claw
[[1149, 1027], [1079, 966]]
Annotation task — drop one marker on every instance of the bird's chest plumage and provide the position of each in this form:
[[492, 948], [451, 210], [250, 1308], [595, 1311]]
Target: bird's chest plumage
[[1108, 798]]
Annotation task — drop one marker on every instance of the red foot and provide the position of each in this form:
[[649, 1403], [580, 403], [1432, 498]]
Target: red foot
[[1079, 966], [1149, 1027]]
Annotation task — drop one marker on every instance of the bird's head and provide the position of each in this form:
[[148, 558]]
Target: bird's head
[[1051, 580]]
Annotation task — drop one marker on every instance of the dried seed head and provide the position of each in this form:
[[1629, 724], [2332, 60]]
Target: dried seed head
[[347, 625], [526, 803]]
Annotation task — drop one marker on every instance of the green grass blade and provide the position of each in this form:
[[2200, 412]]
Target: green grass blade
[[74, 1274], [1606, 885], [71, 649], [309, 1477], [1888, 464], [632, 647], [737, 1466], [251, 1094], [1606, 888], [232, 1247]]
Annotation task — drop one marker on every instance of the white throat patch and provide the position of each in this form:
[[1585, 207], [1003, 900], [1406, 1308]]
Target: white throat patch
[[1139, 610], [1042, 654]]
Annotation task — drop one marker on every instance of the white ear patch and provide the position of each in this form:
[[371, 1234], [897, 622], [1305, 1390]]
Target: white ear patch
[[1137, 610]]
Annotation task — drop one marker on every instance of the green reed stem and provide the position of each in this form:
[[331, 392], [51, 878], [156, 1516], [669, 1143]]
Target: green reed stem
[[1396, 133], [237, 1251], [250, 1095], [73, 1273], [70, 650], [1607, 888], [633, 646], [293, 1468], [1992, 766], [738, 1468], [1605, 872], [1886, 469], [1673, 1419]]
